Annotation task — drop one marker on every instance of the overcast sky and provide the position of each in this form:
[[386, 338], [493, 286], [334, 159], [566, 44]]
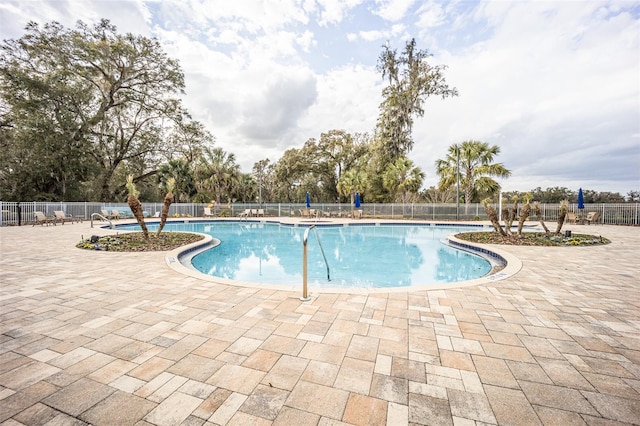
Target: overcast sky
[[556, 85]]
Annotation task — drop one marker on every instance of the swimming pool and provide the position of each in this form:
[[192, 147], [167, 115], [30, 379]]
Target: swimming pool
[[358, 256]]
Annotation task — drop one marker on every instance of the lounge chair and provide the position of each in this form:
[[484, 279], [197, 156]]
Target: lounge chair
[[42, 219], [254, 212], [115, 214], [208, 212], [245, 213], [261, 212], [357, 214], [592, 217], [62, 217], [106, 214]]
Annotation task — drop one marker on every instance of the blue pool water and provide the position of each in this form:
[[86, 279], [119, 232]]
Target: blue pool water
[[374, 256]]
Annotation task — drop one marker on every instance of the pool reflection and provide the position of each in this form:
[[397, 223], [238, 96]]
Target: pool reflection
[[358, 256]]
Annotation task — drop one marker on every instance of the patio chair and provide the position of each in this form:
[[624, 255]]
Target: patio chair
[[208, 212], [254, 212], [245, 213], [62, 217], [115, 214], [570, 218], [42, 219], [106, 214], [357, 214], [592, 217], [261, 212]]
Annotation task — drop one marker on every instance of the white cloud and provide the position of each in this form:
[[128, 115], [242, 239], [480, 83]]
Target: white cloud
[[334, 11], [128, 15], [393, 10], [430, 14], [375, 35], [554, 84], [538, 88], [348, 99]]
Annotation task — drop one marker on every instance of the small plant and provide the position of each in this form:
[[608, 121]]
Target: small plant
[[102, 243]]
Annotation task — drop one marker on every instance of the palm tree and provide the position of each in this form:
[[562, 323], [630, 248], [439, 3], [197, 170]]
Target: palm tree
[[351, 181], [217, 173], [180, 171], [403, 177], [136, 206], [475, 170], [524, 212], [564, 206], [493, 216], [168, 199]]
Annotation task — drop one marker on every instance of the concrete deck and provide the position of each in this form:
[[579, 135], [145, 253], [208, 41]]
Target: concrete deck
[[122, 339]]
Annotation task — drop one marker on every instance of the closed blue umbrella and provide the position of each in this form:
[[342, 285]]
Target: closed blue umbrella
[[357, 200], [308, 200], [580, 200]]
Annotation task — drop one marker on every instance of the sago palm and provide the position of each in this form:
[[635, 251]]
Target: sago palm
[[136, 206], [564, 206], [524, 212], [493, 216], [168, 199]]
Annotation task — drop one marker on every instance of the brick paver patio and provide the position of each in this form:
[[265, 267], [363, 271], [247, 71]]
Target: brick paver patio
[[122, 339]]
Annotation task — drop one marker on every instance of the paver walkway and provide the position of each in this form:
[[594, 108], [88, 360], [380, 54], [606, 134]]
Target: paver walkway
[[119, 339]]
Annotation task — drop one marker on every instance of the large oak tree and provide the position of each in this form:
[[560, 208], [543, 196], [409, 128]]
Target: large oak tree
[[83, 102]]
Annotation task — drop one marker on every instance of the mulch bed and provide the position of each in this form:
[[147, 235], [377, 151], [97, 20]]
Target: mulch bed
[[533, 239], [135, 242]]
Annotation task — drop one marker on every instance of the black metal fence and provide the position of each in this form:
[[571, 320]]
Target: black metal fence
[[14, 213]]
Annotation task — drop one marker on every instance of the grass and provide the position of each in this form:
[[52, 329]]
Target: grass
[[135, 242], [533, 239]]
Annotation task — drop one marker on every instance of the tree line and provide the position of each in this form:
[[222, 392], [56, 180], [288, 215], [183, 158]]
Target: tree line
[[82, 109]]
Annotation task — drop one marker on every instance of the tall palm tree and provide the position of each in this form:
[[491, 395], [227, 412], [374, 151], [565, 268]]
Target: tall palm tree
[[403, 177], [217, 173], [475, 171], [180, 171], [351, 181]]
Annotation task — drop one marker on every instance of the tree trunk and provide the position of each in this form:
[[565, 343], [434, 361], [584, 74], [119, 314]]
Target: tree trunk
[[510, 216], [136, 209], [168, 199], [524, 214], [493, 216], [536, 209], [561, 215]]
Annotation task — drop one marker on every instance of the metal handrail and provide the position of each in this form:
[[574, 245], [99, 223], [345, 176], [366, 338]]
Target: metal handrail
[[305, 294], [101, 217]]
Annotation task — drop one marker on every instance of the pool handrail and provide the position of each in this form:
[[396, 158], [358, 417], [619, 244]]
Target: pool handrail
[[101, 217], [305, 293]]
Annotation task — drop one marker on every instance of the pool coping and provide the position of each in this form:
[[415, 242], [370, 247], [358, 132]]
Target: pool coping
[[175, 259]]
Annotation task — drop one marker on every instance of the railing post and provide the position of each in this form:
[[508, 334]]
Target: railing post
[[305, 292]]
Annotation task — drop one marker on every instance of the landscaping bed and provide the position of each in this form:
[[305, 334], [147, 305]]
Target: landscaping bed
[[533, 239], [135, 241]]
